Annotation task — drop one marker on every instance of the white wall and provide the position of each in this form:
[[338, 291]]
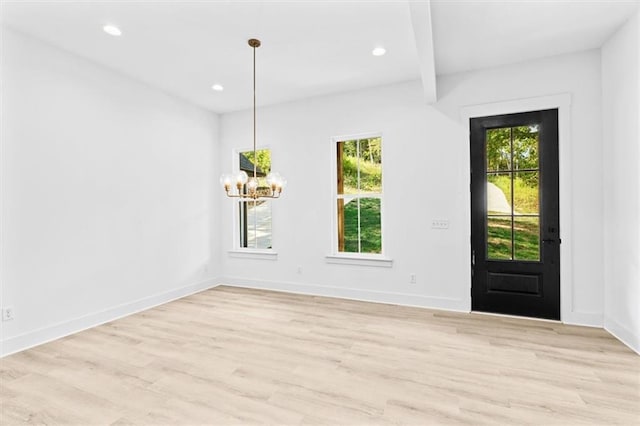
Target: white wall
[[106, 194], [621, 99], [426, 176]]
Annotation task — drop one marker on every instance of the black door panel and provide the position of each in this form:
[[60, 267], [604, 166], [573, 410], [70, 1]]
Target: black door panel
[[515, 232]]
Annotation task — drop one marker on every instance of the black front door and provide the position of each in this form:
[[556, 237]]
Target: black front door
[[515, 233]]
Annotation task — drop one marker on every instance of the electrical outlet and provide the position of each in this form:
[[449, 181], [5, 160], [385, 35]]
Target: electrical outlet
[[439, 224], [299, 269], [7, 313], [412, 278]]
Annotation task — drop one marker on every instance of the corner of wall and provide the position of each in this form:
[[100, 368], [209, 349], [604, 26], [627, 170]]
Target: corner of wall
[[215, 224], [620, 65], [622, 333]]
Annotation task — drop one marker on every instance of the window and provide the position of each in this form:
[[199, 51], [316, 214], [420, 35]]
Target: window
[[255, 216], [359, 195]]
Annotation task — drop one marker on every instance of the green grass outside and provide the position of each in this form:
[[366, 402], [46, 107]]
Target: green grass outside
[[526, 238], [370, 230]]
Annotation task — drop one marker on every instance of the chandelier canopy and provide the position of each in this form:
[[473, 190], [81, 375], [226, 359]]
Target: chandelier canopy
[[240, 185]]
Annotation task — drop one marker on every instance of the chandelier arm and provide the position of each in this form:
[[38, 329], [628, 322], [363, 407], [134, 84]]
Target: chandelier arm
[[252, 198]]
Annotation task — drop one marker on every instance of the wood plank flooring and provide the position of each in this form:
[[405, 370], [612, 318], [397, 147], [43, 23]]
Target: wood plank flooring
[[231, 356]]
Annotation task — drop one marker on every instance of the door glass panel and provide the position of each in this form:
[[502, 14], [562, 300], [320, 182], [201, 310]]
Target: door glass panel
[[498, 149], [525, 147], [513, 193], [526, 192], [499, 193], [526, 238], [499, 241]]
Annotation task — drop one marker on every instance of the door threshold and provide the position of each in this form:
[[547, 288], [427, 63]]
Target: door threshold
[[494, 314]]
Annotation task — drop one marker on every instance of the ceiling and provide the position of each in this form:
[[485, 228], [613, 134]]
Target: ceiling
[[309, 47], [478, 34]]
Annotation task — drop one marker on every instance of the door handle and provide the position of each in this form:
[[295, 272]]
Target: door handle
[[552, 240]]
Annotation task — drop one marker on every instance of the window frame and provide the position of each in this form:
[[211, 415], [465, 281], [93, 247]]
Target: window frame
[[362, 259], [249, 252]]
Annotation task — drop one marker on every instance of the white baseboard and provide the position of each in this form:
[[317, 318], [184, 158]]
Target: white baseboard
[[65, 328], [442, 303], [622, 333], [586, 319]]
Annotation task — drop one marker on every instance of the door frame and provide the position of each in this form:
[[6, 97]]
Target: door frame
[[563, 103]]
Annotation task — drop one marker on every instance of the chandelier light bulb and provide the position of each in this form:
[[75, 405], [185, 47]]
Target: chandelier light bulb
[[242, 178], [273, 178], [225, 180]]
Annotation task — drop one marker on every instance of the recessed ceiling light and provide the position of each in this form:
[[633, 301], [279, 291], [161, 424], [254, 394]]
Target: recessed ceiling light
[[378, 51], [217, 87], [112, 30]]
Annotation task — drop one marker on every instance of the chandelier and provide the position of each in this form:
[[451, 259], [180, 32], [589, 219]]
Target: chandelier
[[241, 185]]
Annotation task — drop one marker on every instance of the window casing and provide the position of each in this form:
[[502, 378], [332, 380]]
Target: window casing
[[358, 196]]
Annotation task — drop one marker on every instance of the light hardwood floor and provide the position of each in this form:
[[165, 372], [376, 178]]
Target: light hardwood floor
[[240, 356]]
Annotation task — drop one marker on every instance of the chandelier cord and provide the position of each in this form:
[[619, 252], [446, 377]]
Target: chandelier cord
[[255, 154]]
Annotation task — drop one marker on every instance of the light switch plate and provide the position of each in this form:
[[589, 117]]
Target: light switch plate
[[440, 224]]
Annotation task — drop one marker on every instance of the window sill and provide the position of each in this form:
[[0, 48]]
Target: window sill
[[253, 254], [359, 260]]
